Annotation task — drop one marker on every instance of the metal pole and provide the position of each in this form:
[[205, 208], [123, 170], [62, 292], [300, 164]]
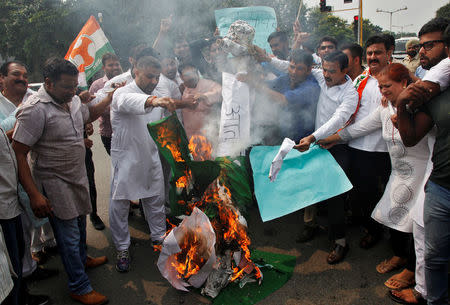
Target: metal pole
[[390, 22], [360, 23]]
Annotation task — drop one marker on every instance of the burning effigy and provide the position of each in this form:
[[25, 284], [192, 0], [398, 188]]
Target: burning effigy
[[210, 248]]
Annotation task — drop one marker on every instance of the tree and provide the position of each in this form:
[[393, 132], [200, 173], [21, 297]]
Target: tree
[[444, 11], [28, 30]]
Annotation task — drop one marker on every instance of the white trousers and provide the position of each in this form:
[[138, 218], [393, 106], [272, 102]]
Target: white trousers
[[28, 264], [42, 237], [419, 245], [118, 220]]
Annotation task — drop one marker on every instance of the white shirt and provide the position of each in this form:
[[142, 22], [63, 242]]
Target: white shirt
[[136, 166], [370, 100], [439, 74], [170, 86], [124, 77], [335, 106]]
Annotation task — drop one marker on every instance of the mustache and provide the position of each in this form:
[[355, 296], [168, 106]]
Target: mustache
[[328, 79], [374, 61], [20, 82]]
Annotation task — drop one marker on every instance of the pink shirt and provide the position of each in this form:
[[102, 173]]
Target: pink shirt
[[195, 119], [105, 118]]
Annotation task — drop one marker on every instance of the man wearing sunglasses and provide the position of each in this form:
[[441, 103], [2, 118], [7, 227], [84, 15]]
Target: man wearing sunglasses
[[431, 46]]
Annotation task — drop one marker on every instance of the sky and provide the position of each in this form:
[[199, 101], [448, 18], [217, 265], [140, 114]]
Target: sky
[[417, 14]]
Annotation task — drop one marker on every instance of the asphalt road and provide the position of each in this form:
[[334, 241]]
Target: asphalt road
[[352, 282]]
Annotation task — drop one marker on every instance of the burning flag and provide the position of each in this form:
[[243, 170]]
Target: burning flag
[[204, 187], [87, 49]]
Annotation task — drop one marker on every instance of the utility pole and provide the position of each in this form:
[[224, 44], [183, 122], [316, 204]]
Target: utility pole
[[390, 15], [402, 27], [360, 26]]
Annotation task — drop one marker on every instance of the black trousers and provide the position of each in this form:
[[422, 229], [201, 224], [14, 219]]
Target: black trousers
[[403, 246], [336, 205], [90, 170], [369, 174], [15, 244], [107, 143]]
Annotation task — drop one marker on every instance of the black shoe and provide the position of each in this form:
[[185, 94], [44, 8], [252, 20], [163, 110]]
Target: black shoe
[[338, 254], [307, 234], [50, 251], [41, 274], [97, 222], [32, 299]]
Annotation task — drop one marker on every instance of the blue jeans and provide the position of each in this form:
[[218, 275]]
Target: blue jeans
[[13, 233], [71, 241], [436, 216]]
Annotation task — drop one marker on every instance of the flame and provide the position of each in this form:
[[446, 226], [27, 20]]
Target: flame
[[200, 148], [229, 231], [169, 139], [193, 254]]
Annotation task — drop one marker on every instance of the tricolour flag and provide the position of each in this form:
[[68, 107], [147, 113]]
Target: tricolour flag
[[87, 49]]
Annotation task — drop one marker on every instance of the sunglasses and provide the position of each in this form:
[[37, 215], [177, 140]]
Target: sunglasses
[[428, 45]]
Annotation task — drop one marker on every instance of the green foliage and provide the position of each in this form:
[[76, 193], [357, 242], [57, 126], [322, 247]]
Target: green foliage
[[444, 11], [33, 30]]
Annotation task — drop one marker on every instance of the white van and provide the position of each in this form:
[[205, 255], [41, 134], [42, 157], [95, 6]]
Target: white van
[[400, 47]]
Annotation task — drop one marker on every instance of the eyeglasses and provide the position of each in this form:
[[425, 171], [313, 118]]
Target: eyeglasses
[[428, 45]]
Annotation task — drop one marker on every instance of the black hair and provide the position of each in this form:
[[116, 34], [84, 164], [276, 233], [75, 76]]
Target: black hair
[[329, 39], [147, 61], [301, 56], [377, 39], [438, 24], [355, 49], [186, 66], [280, 34], [147, 52], [446, 37], [54, 67], [390, 40], [5, 66], [109, 56], [337, 56], [136, 49]]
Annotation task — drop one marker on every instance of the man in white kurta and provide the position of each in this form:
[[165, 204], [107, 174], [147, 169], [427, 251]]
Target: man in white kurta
[[136, 166]]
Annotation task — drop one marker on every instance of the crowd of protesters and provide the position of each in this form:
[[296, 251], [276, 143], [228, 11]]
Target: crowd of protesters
[[386, 125]]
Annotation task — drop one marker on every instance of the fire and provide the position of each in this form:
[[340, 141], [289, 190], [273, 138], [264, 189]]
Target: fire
[[193, 254], [200, 148], [231, 234], [227, 225], [169, 139]]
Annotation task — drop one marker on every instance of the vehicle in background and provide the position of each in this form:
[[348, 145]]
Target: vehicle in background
[[400, 47], [34, 86]]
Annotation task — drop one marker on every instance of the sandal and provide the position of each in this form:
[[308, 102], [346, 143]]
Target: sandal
[[400, 280], [391, 264], [406, 296]]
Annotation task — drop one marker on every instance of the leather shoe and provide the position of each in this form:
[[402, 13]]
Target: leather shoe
[[92, 262], [36, 299], [40, 274], [307, 234], [91, 298], [338, 254], [97, 222]]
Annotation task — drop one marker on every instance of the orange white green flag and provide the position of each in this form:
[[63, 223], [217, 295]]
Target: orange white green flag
[[87, 49]]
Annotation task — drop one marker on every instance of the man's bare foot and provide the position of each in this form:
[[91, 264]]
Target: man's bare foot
[[400, 280]]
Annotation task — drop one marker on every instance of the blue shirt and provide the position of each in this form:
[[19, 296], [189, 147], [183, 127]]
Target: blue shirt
[[299, 115], [420, 72]]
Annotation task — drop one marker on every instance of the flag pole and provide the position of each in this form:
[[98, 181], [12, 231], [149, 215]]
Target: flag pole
[[299, 9]]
